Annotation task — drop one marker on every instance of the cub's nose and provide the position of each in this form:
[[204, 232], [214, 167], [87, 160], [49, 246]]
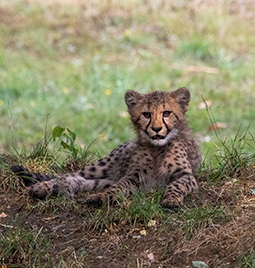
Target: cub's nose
[[156, 129]]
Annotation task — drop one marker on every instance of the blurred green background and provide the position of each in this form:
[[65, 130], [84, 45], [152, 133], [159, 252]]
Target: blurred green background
[[70, 64]]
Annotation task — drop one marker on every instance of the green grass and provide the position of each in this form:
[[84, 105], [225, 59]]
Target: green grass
[[248, 261], [140, 210], [57, 65], [30, 244]]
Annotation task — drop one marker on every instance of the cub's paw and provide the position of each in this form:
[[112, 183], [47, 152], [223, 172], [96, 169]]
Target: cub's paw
[[172, 204], [96, 200], [41, 189], [37, 191]]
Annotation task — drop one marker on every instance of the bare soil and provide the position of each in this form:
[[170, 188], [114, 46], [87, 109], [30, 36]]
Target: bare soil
[[123, 245]]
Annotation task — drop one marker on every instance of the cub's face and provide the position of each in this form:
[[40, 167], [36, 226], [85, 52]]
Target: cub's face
[[157, 115]]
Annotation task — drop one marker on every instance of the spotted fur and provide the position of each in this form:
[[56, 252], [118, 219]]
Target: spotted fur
[[163, 155]]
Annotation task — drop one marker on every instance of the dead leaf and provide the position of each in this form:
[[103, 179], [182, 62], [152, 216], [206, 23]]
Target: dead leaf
[[67, 250], [151, 223], [217, 125], [178, 251], [3, 215], [135, 229], [193, 68], [124, 222], [127, 32], [151, 257], [231, 182], [124, 114], [105, 232], [82, 146], [111, 229], [8, 226], [55, 228], [99, 257], [143, 232], [49, 219], [205, 104]]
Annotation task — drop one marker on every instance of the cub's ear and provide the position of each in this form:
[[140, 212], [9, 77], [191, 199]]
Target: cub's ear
[[132, 97], [182, 96]]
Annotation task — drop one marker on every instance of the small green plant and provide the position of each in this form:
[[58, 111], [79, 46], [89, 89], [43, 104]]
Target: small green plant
[[79, 156], [67, 139]]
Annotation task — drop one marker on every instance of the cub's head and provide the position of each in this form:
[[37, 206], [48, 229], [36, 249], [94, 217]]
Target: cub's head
[[157, 116]]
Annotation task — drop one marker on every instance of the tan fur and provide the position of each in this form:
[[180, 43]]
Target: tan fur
[[163, 155]]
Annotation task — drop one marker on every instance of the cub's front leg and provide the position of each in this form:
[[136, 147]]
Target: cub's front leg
[[178, 189], [180, 179]]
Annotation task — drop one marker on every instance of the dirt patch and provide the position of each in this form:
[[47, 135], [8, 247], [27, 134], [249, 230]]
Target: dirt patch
[[72, 234], [74, 240]]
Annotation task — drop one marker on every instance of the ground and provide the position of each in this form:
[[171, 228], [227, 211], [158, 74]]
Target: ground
[[215, 227]]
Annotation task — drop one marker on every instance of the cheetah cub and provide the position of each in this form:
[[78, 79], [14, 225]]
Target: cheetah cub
[[164, 154]]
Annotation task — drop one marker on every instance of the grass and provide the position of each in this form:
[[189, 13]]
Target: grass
[[248, 260], [68, 66], [19, 239]]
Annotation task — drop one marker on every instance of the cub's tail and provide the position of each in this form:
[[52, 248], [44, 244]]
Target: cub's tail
[[28, 177], [42, 185]]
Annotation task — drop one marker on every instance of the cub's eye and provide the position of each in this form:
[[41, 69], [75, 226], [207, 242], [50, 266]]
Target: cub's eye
[[166, 113], [146, 115]]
